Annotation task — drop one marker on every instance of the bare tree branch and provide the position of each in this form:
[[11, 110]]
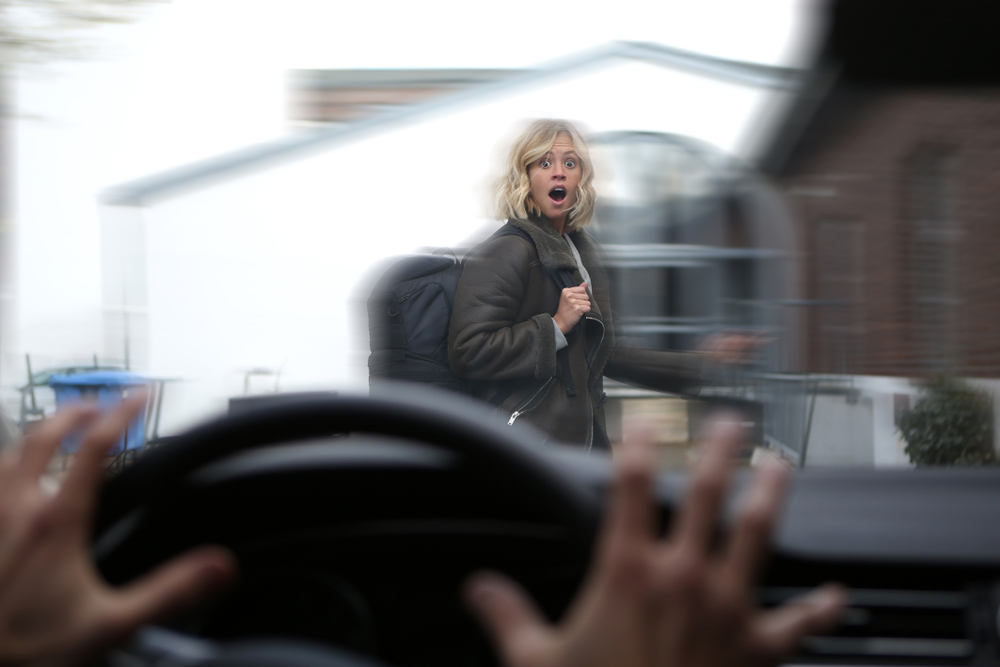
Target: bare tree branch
[[36, 31]]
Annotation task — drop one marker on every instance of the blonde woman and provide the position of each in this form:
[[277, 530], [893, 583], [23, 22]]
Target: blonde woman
[[536, 348]]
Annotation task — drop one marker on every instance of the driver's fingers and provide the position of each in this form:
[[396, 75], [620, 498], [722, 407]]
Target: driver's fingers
[[629, 522], [78, 489], [697, 517], [38, 447], [752, 534], [515, 625], [173, 586], [778, 631]]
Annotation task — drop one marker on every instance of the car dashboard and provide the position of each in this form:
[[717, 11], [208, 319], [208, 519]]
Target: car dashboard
[[363, 541]]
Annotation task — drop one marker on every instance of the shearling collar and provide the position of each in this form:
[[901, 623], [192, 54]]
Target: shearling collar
[[553, 253]]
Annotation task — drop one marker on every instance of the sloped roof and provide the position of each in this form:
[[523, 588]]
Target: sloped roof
[[349, 95], [880, 48], [165, 184], [322, 79]]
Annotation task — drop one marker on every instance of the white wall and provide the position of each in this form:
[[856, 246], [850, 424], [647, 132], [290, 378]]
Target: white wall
[[856, 428], [841, 433]]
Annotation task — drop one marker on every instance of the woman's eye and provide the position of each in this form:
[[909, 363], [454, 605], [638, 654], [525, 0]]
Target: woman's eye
[[544, 164], [570, 164]]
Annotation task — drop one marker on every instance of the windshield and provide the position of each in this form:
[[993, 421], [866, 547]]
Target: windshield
[[209, 203]]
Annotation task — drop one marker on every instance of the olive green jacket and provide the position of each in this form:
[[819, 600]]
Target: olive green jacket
[[502, 338]]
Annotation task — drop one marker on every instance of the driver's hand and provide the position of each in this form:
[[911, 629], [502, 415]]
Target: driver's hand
[[673, 602], [54, 607]]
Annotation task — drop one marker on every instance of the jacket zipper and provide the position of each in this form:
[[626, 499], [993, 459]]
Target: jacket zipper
[[591, 354], [526, 406]]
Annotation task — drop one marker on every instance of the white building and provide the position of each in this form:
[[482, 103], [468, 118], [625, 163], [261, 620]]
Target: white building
[[258, 258]]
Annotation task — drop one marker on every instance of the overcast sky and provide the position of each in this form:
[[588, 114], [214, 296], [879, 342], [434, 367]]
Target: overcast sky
[[197, 77], [459, 33]]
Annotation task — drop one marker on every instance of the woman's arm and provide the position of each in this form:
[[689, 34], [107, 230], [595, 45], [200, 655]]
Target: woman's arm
[[662, 370], [485, 342]]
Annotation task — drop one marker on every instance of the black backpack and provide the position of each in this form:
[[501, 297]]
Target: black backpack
[[409, 313]]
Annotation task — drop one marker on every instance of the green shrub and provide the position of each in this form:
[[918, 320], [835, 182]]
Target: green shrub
[[951, 424]]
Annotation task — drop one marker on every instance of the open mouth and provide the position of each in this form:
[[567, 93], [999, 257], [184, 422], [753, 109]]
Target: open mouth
[[557, 194]]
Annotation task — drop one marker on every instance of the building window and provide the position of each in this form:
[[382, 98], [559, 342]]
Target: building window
[[840, 249], [933, 255]]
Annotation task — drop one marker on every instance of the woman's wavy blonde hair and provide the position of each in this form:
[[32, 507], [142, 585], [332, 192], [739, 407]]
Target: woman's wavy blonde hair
[[512, 193]]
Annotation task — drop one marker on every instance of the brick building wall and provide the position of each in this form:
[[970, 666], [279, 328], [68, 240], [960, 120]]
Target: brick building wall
[[897, 199]]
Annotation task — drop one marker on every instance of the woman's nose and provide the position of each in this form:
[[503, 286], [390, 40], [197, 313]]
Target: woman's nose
[[558, 172]]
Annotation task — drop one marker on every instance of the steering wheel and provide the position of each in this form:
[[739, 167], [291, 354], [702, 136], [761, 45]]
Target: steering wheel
[[441, 436]]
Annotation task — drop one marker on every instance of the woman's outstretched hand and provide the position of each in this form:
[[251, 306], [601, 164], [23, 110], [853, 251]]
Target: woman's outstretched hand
[[671, 602], [54, 607], [574, 303], [734, 348]]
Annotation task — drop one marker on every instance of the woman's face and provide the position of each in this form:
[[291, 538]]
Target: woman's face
[[554, 178]]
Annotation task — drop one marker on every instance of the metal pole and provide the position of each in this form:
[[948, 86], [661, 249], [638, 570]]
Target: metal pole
[[160, 387], [809, 421], [31, 383]]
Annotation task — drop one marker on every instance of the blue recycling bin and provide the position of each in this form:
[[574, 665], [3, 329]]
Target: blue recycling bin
[[107, 389]]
